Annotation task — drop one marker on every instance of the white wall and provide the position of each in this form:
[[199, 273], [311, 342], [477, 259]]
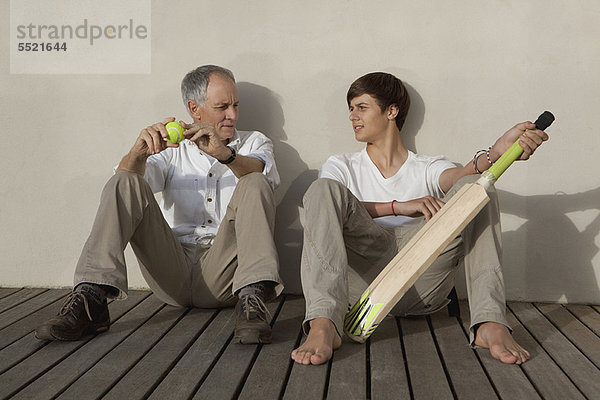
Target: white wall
[[474, 69]]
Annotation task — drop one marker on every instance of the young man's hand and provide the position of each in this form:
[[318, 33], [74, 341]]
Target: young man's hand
[[529, 137], [424, 207]]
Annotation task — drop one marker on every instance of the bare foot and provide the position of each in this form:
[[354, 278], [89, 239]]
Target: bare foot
[[319, 345], [497, 338]]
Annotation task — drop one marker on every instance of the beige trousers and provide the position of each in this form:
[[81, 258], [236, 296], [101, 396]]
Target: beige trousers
[[182, 274], [339, 233]]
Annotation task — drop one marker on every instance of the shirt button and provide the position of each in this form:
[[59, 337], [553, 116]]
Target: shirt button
[[210, 174], [210, 221], [209, 199]]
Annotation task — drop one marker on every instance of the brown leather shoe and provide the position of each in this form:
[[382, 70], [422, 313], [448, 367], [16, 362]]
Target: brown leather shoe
[[251, 326], [79, 315]]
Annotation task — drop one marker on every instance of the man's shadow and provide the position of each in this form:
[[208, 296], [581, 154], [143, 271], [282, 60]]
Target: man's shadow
[[260, 109], [562, 252]]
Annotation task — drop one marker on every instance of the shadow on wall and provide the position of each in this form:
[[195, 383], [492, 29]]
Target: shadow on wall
[[558, 263], [260, 109], [414, 119]]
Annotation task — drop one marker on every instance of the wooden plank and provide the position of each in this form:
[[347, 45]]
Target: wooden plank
[[149, 371], [577, 333], [19, 297], [549, 379], [8, 291], [348, 375], [586, 314], [29, 322], [69, 369], [509, 380], [307, 381], [466, 374], [272, 365], [192, 368], [427, 377], [388, 372], [575, 364], [114, 365], [29, 307], [27, 345], [232, 367]]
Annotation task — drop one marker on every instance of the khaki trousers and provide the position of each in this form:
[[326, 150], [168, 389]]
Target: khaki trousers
[[341, 241], [182, 274]]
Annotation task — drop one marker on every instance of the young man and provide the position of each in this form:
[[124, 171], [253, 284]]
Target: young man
[[365, 206], [209, 243]]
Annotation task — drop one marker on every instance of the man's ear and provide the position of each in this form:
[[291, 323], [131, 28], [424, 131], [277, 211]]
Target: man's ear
[[393, 111], [194, 110]]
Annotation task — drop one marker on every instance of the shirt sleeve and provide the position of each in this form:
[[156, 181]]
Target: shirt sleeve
[[334, 169], [262, 149], [433, 172]]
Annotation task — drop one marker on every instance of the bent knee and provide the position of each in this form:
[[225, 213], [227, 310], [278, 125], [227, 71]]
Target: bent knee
[[255, 180], [124, 181], [322, 187]]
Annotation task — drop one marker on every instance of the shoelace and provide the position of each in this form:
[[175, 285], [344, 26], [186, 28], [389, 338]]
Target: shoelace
[[71, 301], [251, 303]]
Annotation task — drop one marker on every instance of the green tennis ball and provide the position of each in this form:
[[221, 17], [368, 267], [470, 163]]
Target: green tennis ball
[[175, 132]]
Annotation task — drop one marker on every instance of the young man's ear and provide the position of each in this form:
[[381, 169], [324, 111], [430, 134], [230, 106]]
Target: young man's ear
[[393, 111], [194, 110]]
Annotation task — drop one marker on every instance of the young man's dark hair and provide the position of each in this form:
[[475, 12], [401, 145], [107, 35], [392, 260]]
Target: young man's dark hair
[[386, 89]]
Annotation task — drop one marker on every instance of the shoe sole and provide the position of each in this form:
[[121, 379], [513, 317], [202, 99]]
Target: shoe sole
[[46, 333], [251, 338]]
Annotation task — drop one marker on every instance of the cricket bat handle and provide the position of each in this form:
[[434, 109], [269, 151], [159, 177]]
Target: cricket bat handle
[[490, 176]]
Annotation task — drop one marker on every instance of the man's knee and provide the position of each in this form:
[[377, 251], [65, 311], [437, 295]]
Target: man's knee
[[124, 181], [254, 181], [322, 188]]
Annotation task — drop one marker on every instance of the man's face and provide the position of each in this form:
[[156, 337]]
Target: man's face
[[221, 105], [368, 121]]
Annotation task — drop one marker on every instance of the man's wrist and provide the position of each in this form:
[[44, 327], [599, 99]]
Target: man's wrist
[[228, 157]]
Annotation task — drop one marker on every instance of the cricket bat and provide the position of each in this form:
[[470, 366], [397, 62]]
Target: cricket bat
[[427, 244]]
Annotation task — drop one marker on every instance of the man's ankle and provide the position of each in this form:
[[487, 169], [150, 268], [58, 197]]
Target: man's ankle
[[99, 293], [263, 289]]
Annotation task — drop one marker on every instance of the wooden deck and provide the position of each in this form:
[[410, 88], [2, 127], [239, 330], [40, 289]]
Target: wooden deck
[[160, 352]]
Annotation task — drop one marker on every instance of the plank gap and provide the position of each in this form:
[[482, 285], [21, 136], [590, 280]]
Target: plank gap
[[406, 370], [290, 365], [211, 366], [441, 356]]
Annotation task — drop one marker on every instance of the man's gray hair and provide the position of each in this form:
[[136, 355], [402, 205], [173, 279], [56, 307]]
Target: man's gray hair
[[194, 84]]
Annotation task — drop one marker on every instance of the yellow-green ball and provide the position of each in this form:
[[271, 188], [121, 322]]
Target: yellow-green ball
[[175, 132]]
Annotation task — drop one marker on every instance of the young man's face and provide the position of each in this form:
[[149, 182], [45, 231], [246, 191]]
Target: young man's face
[[368, 121], [221, 105]]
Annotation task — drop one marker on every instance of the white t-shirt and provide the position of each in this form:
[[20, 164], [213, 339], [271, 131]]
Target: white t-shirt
[[418, 177]]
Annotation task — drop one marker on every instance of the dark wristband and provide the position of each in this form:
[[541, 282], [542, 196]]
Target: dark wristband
[[230, 159]]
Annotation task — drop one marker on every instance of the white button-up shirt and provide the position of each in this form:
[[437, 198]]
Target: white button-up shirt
[[196, 189]]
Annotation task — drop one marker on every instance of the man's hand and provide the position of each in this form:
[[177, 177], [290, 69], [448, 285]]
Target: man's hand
[[529, 137], [152, 140], [206, 138], [425, 206]]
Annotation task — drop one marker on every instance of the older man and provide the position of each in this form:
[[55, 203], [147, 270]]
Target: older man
[[210, 241]]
